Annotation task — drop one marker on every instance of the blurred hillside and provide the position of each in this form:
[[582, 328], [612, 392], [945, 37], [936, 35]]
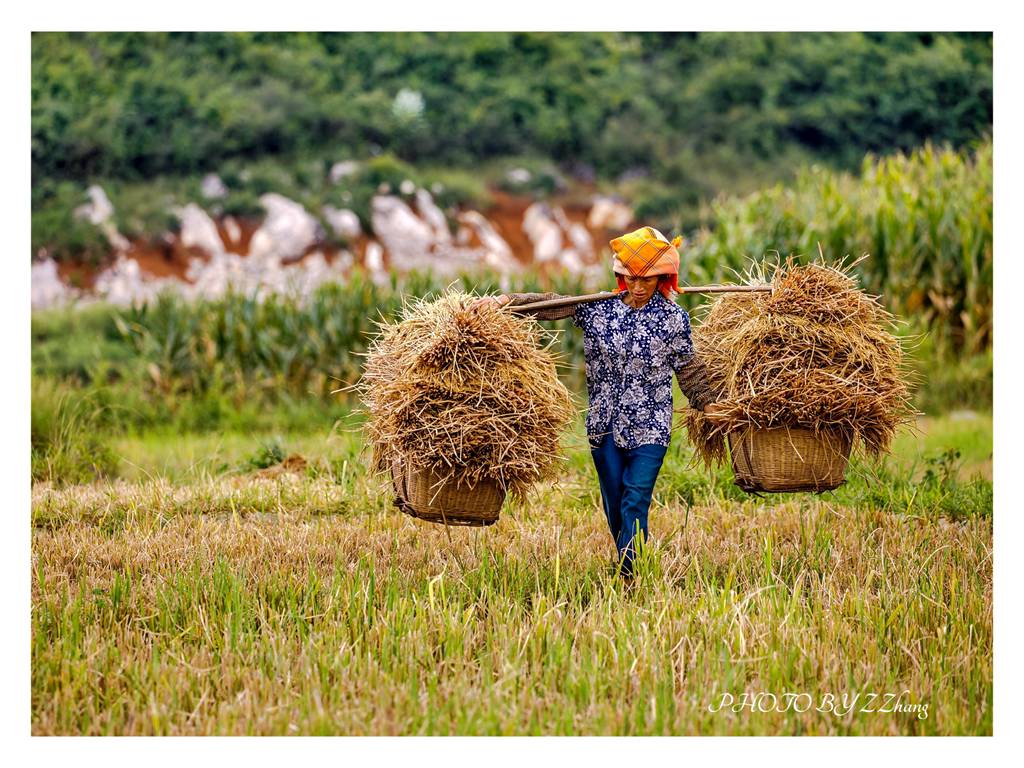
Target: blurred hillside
[[666, 121]]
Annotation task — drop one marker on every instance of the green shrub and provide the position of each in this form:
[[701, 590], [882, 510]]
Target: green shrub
[[936, 489], [57, 230], [269, 453]]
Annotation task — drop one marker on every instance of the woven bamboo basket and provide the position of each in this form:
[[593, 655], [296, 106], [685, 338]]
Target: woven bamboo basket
[[421, 495], [789, 459]]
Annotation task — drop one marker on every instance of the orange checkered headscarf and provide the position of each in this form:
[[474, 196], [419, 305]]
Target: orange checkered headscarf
[[647, 252]]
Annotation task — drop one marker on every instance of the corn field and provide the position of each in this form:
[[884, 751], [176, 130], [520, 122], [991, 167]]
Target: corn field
[[924, 218], [310, 346]]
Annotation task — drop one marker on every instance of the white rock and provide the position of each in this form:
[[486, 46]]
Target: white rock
[[609, 213], [433, 215], [123, 284], [373, 260], [424, 243], [374, 257], [99, 211], [343, 261], [407, 238], [287, 231], [463, 235], [99, 208], [581, 240], [342, 170], [234, 232], [498, 254], [211, 279], [48, 289], [558, 214], [344, 222], [198, 230], [213, 187], [519, 176], [571, 260], [543, 231]]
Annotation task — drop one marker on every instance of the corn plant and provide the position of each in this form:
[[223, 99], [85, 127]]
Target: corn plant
[[925, 219]]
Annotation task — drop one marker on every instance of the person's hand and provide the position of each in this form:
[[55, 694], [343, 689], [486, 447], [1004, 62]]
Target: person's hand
[[495, 301]]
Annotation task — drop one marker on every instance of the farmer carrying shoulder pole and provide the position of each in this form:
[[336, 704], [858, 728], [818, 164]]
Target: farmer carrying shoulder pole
[[632, 343]]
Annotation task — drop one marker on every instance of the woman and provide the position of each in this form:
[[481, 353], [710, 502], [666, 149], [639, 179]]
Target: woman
[[632, 343]]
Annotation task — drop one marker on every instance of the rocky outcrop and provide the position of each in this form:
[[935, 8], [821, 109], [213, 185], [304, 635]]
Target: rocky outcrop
[[343, 222], [609, 213], [286, 252], [213, 187], [543, 231], [343, 170], [373, 260], [287, 232], [407, 238], [48, 290], [556, 239], [421, 239], [124, 284], [99, 211], [198, 230], [433, 216], [494, 251], [232, 230]]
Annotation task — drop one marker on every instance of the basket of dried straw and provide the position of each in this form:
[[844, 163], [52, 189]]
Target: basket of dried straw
[[427, 496], [801, 376], [788, 459], [465, 407]]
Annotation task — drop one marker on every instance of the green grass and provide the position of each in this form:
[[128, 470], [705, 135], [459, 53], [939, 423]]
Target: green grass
[[194, 596]]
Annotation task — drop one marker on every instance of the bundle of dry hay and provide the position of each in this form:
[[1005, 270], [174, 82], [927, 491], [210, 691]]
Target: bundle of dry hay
[[469, 395], [816, 352]]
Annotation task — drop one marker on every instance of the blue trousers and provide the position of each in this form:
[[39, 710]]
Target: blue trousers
[[627, 479]]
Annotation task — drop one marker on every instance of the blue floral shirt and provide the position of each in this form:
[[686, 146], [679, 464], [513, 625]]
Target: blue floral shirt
[[630, 357]]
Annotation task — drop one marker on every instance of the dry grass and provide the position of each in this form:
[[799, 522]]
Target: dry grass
[[295, 605], [468, 395], [816, 352]]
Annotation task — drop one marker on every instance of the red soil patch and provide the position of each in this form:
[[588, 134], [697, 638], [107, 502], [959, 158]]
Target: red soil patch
[[78, 275], [506, 215], [246, 229], [164, 259]]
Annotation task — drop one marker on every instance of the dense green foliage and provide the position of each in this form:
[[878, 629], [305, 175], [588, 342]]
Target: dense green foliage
[[135, 105]]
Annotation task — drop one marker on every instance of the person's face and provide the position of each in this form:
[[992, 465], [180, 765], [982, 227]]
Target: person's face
[[641, 288]]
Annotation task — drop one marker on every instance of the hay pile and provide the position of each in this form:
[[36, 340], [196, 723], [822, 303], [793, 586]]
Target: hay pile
[[817, 352], [469, 395]]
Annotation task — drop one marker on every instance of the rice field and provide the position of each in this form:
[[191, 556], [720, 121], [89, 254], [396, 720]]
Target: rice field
[[194, 596]]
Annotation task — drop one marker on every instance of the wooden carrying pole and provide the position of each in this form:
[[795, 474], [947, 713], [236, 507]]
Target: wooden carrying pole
[[567, 300]]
